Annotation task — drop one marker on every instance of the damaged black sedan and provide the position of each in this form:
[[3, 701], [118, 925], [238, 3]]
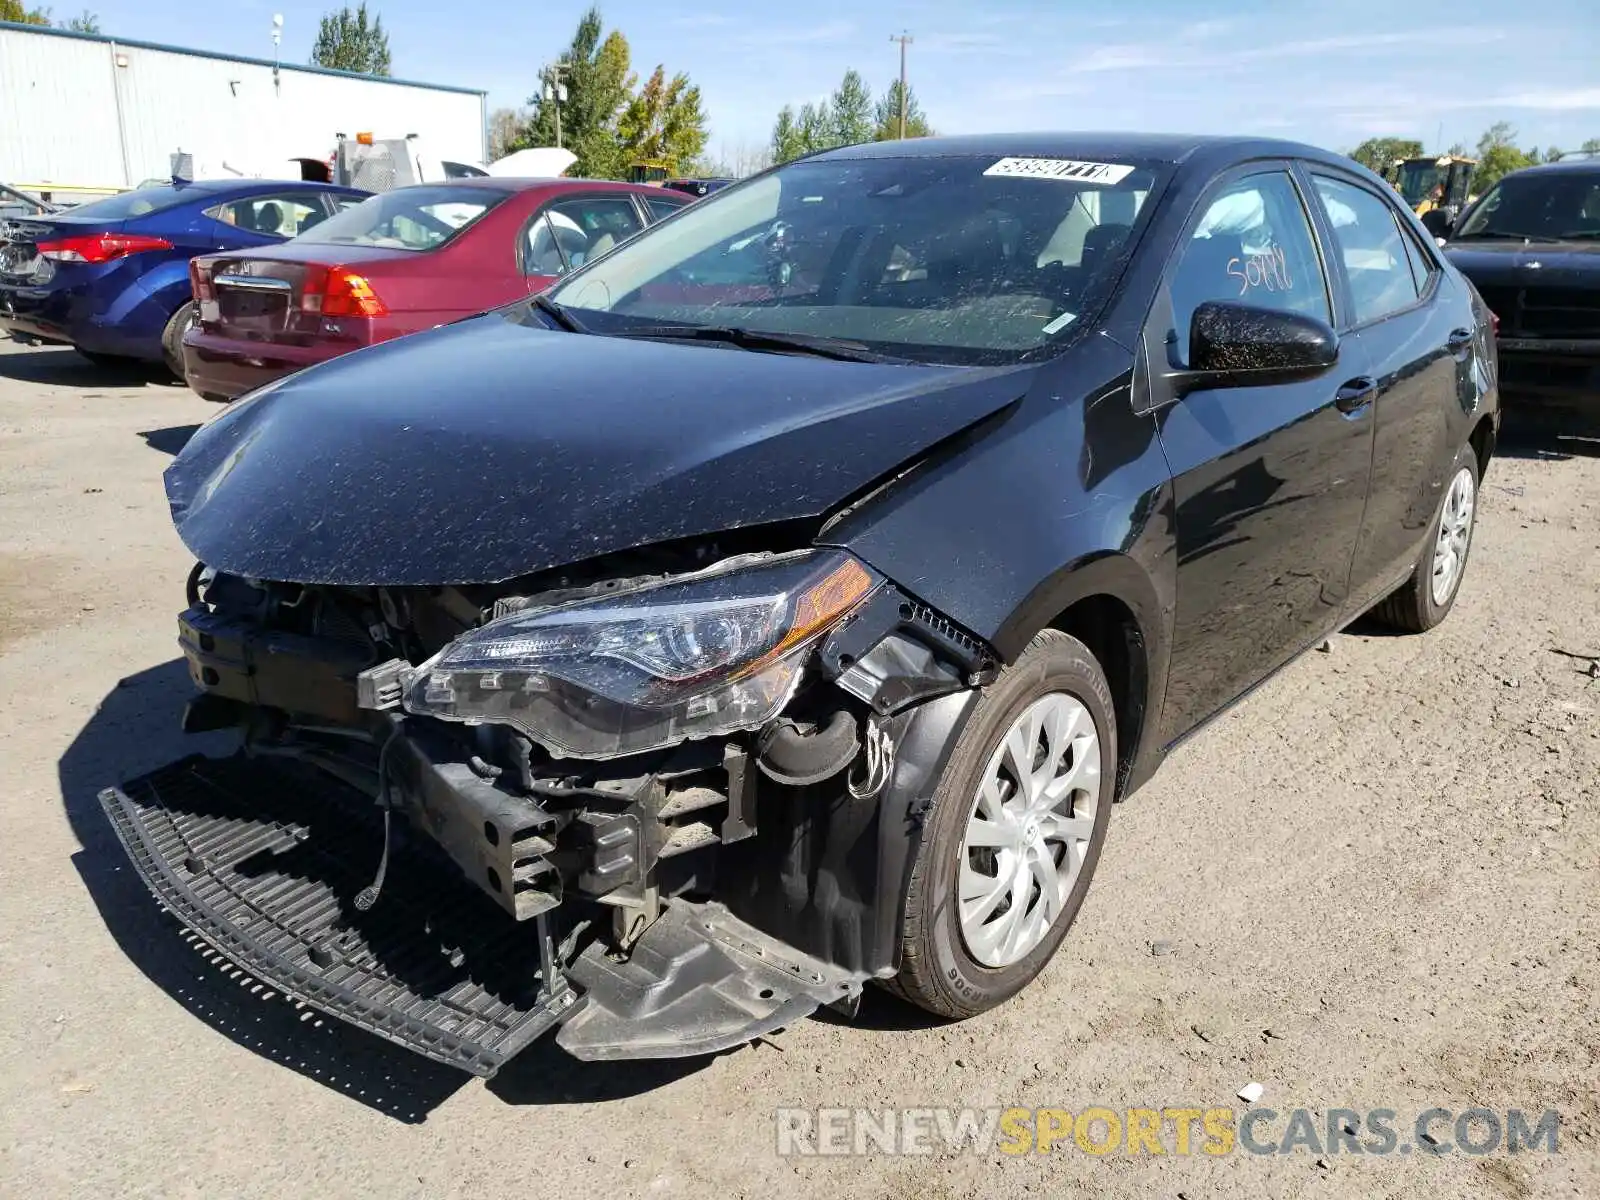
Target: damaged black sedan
[[781, 603]]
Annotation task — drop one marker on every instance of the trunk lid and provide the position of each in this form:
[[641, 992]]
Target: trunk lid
[[262, 295], [20, 260]]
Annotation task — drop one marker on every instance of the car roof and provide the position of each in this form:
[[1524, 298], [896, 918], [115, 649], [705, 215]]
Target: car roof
[[1567, 166], [518, 183], [1090, 146], [245, 185]]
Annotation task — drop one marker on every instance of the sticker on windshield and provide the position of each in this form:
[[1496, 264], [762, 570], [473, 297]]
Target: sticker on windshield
[[1061, 168]]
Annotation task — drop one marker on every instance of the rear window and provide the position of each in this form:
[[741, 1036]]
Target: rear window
[[415, 218], [137, 203]]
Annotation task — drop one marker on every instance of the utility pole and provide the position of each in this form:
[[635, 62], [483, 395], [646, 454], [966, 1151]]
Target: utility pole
[[556, 92], [277, 40], [905, 40]]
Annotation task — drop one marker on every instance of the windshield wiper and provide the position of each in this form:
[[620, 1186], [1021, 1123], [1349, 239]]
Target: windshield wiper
[[559, 314], [1577, 235], [763, 341]]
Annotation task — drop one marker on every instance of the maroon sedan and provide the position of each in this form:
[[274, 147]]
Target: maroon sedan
[[397, 263]]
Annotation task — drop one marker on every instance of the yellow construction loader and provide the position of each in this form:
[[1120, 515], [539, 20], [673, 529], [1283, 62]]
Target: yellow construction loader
[[1436, 187]]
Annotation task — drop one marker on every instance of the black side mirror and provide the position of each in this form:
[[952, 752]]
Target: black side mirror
[[1241, 345]]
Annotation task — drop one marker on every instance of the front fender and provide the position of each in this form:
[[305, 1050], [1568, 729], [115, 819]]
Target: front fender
[[827, 872], [1070, 497]]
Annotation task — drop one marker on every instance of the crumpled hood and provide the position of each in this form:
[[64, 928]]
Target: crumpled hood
[[492, 448]]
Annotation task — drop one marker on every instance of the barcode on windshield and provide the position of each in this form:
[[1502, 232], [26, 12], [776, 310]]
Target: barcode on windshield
[[1065, 169]]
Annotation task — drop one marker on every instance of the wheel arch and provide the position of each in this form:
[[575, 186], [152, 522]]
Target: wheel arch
[[1110, 604], [1482, 439]]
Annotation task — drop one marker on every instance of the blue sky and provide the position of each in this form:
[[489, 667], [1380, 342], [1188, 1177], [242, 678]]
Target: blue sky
[[1285, 67]]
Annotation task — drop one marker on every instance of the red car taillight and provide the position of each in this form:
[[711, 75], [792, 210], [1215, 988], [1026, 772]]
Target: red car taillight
[[100, 247], [341, 293], [200, 279]]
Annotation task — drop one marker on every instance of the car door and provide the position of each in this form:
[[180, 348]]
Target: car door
[[569, 232], [1269, 481], [1415, 346]]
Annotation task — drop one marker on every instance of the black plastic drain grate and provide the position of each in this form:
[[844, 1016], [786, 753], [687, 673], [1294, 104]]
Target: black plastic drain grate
[[263, 860]]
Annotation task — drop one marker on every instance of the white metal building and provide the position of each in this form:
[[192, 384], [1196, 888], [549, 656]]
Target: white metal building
[[89, 111]]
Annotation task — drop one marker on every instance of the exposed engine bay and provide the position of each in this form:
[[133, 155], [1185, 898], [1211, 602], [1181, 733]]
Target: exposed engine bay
[[693, 772]]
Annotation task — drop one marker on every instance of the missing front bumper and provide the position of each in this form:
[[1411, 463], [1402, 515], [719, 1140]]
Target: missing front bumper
[[263, 861]]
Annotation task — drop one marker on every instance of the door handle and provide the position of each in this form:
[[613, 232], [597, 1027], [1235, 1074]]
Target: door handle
[[1459, 341], [1356, 394]]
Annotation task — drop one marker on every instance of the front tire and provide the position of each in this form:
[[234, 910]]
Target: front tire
[[1016, 828], [1427, 597]]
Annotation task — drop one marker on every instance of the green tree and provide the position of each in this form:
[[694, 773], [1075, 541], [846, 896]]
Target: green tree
[[1591, 146], [12, 10], [886, 116], [850, 111], [1380, 153], [664, 121], [599, 83], [816, 133], [348, 41], [845, 118], [787, 143], [84, 22], [1498, 155]]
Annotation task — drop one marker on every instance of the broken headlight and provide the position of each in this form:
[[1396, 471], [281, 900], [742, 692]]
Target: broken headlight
[[697, 657]]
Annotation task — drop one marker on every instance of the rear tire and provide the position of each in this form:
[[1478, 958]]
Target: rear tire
[[959, 956], [1427, 597], [172, 338]]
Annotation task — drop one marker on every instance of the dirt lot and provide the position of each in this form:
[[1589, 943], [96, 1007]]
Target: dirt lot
[[1373, 885]]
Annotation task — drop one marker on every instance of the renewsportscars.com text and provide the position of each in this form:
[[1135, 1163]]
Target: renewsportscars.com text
[[1176, 1130]]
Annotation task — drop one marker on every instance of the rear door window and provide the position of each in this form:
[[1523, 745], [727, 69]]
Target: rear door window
[[1376, 259], [1252, 245], [570, 233], [281, 215], [662, 208], [1422, 265]]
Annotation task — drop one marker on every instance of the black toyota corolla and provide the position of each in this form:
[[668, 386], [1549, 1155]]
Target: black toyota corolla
[[781, 603]]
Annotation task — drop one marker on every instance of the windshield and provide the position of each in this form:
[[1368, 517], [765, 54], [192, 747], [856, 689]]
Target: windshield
[[1421, 181], [414, 218], [1549, 204], [137, 203], [962, 259]]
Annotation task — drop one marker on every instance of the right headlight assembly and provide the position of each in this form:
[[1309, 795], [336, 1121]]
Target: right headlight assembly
[[700, 656]]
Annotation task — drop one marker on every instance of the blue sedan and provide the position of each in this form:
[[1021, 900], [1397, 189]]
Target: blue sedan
[[111, 277]]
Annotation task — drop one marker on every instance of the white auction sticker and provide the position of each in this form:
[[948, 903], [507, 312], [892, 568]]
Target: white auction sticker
[[1061, 168]]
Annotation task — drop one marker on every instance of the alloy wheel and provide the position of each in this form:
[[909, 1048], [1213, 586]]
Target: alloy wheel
[[1455, 535], [1029, 829]]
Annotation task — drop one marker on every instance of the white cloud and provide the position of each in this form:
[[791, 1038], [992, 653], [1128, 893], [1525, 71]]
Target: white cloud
[[1570, 100]]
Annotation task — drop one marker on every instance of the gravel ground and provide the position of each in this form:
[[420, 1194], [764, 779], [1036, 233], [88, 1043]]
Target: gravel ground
[[1372, 885]]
